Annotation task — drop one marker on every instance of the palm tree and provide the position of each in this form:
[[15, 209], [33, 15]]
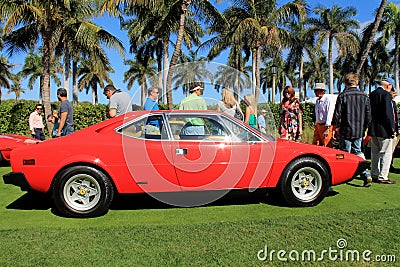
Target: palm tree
[[5, 74], [203, 11], [93, 72], [27, 22], [260, 23], [141, 70], [150, 29], [302, 43], [74, 48], [390, 28], [33, 69], [379, 61], [230, 77], [191, 71], [239, 54], [364, 51], [335, 24], [16, 87]]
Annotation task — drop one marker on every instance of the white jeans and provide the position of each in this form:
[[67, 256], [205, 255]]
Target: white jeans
[[381, 157]]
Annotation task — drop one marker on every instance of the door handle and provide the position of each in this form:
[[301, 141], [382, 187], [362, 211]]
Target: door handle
[[181, 151]]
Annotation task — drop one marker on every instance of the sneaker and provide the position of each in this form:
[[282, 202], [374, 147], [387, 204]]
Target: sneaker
[[368, 182]]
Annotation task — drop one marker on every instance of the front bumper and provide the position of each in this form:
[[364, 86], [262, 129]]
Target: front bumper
[[362, 166], [17, 179]]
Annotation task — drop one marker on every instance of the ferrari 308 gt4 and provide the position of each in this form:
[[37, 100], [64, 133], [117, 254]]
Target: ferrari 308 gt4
[[164, 153]]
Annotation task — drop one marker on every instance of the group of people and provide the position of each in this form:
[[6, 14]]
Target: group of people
[[346, 118], [62, 119], [63, 122], [352, 115]]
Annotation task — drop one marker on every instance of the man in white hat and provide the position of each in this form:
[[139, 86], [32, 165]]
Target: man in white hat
[[324, 109], [195, 125]]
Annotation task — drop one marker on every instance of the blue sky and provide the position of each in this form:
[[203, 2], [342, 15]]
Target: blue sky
[[365, 14]]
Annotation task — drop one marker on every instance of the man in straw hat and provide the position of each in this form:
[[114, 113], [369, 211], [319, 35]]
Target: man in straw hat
[[324, 109]]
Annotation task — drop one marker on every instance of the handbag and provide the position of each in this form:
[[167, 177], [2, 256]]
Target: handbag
[[238, 113]]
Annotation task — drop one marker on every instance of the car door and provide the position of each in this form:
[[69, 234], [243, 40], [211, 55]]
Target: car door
[[227, 155], [148, 155]]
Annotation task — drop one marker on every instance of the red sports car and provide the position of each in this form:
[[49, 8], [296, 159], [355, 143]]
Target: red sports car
[[165, 152]]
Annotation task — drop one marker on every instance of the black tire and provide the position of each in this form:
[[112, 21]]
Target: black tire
[[304, 182], [82, 191]]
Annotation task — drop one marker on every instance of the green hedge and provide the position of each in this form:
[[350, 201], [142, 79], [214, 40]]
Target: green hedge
[[14, 117]]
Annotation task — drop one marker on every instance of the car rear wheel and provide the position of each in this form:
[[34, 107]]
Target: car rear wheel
[[82, 191], [304, 182]]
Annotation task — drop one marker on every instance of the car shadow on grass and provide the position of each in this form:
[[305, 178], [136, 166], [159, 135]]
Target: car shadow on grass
[[40, 201], [193, 199], [356, 182], [31, 201]]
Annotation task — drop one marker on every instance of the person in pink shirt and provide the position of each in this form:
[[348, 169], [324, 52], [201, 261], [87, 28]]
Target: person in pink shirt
[[36, 123]]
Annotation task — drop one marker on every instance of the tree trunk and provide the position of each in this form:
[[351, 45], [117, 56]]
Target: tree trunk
[[175, 56], [67, 68], [160, 73], [330, 61], [75, 82], [253, 73], [273, 88], [257, 73], [377, 21], [41, 89], [302, 91], [95, 98], [237, 73], [166, 70], [396, 65], [45, 82], [143, 93]]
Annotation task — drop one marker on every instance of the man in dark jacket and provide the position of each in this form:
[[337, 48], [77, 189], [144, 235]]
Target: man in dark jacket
[[351, 119], [382, 131]]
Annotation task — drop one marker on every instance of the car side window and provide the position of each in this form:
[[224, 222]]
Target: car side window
[[149, 127], [239, 132], [197, 127]]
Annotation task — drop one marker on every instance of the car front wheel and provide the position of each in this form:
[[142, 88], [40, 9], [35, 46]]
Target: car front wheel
[[304, 182], [82, 191]]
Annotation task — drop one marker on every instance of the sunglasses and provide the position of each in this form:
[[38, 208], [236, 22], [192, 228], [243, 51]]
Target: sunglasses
[[156, 92]]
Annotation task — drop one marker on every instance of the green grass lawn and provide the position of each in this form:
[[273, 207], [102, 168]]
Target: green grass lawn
[[138, 231]]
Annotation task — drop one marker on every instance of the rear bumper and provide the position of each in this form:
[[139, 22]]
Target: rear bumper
[[362, 165], [17, 179]]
